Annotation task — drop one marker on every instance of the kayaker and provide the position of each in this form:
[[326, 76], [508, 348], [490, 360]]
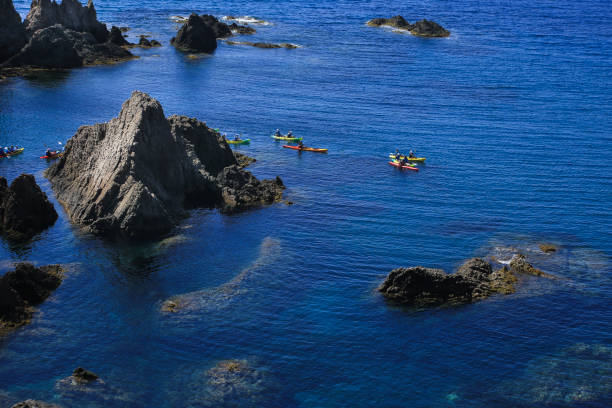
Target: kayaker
[[397, 154], [48, 153], [277, 133], [411, 154], [237, 137], [300, 145], [404, 162], [11, 149], [290, 133]]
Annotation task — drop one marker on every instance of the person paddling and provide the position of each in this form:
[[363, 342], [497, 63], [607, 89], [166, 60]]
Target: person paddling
[[290, 133], [277, 133], [411, 154], [398, 155], [300, 145]]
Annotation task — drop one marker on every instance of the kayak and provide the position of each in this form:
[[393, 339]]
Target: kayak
[[287, 139], [412, 159], [245, 141], [398, 165], [14, 153], [56, 155], [307, 149]]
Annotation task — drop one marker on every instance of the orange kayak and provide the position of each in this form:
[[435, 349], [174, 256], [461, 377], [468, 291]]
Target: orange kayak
[[398, 165], [307, 149]]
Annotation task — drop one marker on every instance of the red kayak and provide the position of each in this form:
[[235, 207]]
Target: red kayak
[[53, 156], [304, 148], [396, 164]]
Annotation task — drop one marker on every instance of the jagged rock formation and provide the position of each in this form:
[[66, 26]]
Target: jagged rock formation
[[65, 35], [70, 14], [145, 43], [82, 375], [24, 288], [200, 33], [24, 209], [263, 45], [422, 28], [136, 175], [475, 279], [12, 32]]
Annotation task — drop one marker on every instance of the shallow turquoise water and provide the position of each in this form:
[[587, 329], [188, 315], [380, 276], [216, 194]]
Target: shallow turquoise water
[[513, 113]]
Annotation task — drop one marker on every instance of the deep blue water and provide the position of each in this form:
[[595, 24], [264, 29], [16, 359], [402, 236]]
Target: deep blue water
[[513, 114]]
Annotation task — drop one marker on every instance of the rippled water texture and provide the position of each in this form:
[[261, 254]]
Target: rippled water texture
[[277, 307]]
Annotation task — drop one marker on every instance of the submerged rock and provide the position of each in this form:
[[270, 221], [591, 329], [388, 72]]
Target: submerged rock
[[110, 179], [70, 14], [144, 42], [264, 45], [34, 404], [12, 32], [241, 29], [548, 248], [422, 28], [24, 288], [475, 279], [195, 36], [24, 209]]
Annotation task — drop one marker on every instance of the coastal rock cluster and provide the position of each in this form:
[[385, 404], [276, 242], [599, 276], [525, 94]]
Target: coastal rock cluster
[[24, 209], [24, 288], [474, 280], [200, 33], [136, 175], [53, 35], [422, 28]]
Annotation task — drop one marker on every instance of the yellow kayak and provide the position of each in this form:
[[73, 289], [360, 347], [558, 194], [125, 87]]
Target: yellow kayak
[[412, 159], [13, 153]]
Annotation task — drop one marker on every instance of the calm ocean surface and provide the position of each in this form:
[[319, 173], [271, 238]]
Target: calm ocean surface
[[514, 115]]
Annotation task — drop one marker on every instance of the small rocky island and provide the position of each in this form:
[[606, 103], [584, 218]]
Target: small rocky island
[[23, 288], [135, 176], [200, 33], [54, 36], [422, 28], [474, 280]]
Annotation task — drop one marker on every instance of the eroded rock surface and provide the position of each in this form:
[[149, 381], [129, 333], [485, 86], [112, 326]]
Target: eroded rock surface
[[421, 28], [24, 209], [34, 404], [23, 288], [195, 36], [263, 44], [136, 175], [12, 32]]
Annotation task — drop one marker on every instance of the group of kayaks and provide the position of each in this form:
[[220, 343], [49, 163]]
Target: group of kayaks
[[49, 154], [237, 140], [405, 162]]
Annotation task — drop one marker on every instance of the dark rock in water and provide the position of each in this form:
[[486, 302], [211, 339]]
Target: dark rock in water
[[83, 376], [519, 264], [146, 43], [548, 248], [195, 36], [124, 29], [116, 37], [220, 29], [128, 193], [59, 47], [12, 32], [475, 279], [23, 288], [70, 14], [264, 45], [24, 209], [422, 28], [241, 29], [427, 28], [34, 404]]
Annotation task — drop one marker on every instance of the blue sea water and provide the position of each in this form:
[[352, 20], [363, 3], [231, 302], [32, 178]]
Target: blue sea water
[[513, 112]]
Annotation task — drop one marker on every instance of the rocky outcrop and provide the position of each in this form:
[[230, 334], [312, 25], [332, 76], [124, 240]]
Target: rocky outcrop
[[24, 209], [110, 179], [116, 37], [70, 14], [241, 29], [195, 36], [34, 404], [220, 29], [548, 248], [12, 32], [264, 45], [146, 43], [24, 288], [422, 28], [82, 375], [244, 160], [475, 279]]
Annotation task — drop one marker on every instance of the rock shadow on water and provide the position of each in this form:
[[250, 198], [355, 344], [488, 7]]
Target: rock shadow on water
[[580, 375], [222, 296]]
